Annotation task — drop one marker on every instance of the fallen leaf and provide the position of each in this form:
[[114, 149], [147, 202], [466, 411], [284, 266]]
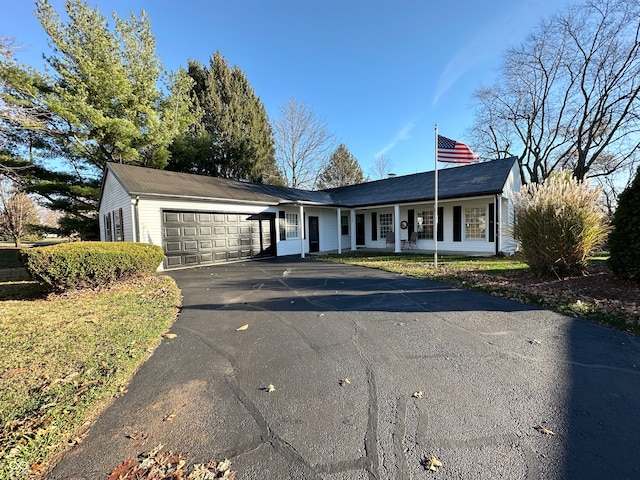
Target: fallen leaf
[[417, 394], [271, 389], [345, 381], [321, 314], [169, 418], [535, 342], [11, 373], [170, 335], [431, 463], [544, 430], [242, 328], [139, 437]]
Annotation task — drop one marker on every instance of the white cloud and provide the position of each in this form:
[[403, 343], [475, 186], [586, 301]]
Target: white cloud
[[403, 134]]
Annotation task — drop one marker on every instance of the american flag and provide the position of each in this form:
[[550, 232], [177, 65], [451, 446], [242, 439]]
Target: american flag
[[450, 151]]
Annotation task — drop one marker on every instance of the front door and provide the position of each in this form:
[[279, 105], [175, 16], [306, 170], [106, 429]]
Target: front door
[[360, 229], [314, 234]]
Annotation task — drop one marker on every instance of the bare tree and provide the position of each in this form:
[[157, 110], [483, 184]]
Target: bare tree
[[303, 144], [17, 212], [382, 166], [568, 97]]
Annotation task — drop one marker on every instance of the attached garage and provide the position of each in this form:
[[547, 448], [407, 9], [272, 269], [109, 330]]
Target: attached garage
[[200, 238]]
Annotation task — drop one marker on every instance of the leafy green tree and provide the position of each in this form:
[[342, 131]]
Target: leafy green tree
[[624, 240], [101, 101], [105, 93], [343, 169], [233, 137]]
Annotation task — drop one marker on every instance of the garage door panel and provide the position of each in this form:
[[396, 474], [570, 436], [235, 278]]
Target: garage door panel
[[195, 238]]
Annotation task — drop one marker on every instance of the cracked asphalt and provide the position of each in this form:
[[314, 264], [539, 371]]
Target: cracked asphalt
[[490, 371]]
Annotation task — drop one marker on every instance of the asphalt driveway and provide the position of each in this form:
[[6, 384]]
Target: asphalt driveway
[[489, 371]]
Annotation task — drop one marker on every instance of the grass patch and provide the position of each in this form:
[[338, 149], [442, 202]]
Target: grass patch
[[64, 359], [511, 277]]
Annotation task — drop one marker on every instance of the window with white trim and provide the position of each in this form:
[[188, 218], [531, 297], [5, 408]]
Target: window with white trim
[[292, 225], [386, 224], [475, 220], [424, 224]]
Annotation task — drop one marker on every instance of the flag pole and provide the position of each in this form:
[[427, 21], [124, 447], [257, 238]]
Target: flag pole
[[435, 210]]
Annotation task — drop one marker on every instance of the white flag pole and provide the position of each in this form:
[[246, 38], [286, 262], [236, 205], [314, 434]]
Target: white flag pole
[[435, 210]]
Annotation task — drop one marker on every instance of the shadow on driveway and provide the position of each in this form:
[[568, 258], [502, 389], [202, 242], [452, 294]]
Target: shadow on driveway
[[489, 370]]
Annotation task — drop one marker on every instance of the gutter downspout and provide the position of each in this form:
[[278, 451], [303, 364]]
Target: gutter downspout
[[136, 219], [339, 220], [301, 223], [498, 215]]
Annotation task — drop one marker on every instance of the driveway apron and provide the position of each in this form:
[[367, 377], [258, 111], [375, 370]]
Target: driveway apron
[[373, 374]]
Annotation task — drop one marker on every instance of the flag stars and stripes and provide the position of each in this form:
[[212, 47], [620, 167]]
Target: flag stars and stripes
[[451, 151]]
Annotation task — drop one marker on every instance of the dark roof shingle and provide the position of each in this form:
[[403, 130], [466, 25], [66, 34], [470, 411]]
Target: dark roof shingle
[[472, 180]]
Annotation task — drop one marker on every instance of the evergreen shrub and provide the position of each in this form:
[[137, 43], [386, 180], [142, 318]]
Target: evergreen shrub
[[624, 240], [72, 266], [558, 224]]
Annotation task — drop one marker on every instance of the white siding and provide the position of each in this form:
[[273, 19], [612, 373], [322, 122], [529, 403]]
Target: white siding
[[115, 197], [150, 213]]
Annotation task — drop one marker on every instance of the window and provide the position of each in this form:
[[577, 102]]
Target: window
[[108, 229], [475, 219], [292, 225], [424, 227], [118, 225], [386, 224], [344, 224]]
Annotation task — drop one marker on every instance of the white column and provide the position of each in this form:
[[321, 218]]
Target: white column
[[396, 227], [301, 231], [352, 214], [339, 220]]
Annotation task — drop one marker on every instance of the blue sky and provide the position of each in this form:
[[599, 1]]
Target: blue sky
[[380, 73]]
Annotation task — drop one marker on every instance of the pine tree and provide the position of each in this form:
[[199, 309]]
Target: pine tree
[[624, 240], [233, 138], [100, 101], [343, 169]]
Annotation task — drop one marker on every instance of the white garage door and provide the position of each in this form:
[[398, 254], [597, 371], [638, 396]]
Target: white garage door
[[200, 238]]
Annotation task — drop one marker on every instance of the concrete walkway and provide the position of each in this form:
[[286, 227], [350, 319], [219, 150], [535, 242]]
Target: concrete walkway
[[489, 371]]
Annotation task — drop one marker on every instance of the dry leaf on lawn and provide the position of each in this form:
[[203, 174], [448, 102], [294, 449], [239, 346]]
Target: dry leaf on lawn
[[170, 417], [242, 328]]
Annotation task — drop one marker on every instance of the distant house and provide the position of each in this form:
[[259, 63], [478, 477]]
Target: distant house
[[202, 220]]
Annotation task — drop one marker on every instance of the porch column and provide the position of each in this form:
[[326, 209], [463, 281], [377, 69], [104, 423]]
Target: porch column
[[396, 228], [301, 231], [339, 220], [352, 229]]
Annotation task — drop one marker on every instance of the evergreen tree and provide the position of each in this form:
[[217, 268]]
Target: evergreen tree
[[343, 169], [624, 240], [233, 138], [100, 102]]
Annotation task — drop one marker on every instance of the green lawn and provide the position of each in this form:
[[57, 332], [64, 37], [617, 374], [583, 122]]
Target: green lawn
[[64, 358]]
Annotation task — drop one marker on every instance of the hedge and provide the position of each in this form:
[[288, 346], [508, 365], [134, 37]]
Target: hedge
[[72, 266]]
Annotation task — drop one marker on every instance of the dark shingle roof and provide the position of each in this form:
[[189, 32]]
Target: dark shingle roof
[[471, 180], [484, 178]]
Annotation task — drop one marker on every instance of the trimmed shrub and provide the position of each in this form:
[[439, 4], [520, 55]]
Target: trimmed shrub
[[624, 241], [71, 266], [558, 224]]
